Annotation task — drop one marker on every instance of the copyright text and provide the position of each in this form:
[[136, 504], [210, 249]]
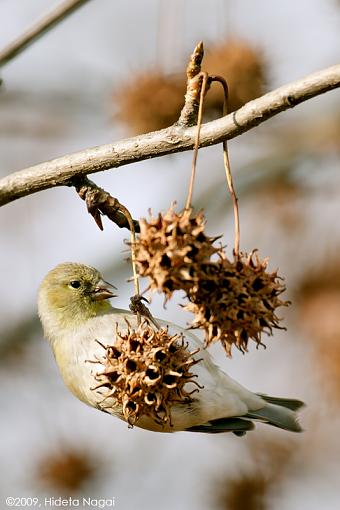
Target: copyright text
[[52, 502]]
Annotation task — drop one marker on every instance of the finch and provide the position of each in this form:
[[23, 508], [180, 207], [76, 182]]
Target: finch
[[75, 312]]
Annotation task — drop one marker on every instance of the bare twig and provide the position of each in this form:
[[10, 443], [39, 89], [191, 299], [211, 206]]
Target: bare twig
[[61, 171], [98, 202], [38, 29]]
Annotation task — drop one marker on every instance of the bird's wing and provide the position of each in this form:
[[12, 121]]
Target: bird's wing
[[236, 425]]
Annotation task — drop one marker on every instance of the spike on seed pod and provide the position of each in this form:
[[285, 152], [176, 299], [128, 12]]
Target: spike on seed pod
[[235, 301], [171, 248], [148, 379]]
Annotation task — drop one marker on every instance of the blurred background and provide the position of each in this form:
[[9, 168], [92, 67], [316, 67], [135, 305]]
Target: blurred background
[[114, 69]]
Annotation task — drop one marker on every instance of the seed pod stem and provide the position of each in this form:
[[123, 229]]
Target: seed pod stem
[[133, 254], [205, 78], [227, 168]]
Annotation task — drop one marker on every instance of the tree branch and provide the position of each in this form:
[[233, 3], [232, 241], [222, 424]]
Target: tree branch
[[100, 202], [38, 29], [60, 171]]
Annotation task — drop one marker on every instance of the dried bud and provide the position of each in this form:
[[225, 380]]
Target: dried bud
[[171, 248], [146, 372], [234, 301]]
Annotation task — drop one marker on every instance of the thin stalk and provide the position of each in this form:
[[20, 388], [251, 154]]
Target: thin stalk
[[227, 168], [205, 78], [133, 254]]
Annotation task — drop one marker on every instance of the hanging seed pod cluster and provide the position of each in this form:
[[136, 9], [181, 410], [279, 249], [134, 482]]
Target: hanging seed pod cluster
[[235, 301], [170, 249], [146, 372]]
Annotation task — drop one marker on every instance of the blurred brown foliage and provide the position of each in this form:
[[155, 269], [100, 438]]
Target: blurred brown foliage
[[244, 68], [318, 298], [68, 470], [279, 195], [246, 493], [269, 457], [152, 100]]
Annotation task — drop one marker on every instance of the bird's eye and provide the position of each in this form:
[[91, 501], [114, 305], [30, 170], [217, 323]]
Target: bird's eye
[[75, 284]]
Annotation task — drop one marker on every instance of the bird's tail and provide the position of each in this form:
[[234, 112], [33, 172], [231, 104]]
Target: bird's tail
[[279, 412], [289, 403]]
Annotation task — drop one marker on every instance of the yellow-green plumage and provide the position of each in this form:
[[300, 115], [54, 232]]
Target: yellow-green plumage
[[69, 306]]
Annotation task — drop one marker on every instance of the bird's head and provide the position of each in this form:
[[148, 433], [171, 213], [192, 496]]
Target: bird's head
[[70, 294]]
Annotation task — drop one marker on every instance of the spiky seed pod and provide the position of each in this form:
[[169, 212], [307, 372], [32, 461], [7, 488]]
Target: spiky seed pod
[[171, 248], [146, 371], [234, 301]]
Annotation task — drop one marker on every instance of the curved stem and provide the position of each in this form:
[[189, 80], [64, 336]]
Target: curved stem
[[227, 168], [205, 78]]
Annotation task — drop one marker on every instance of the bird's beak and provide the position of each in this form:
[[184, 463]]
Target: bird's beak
[[102, 291]]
